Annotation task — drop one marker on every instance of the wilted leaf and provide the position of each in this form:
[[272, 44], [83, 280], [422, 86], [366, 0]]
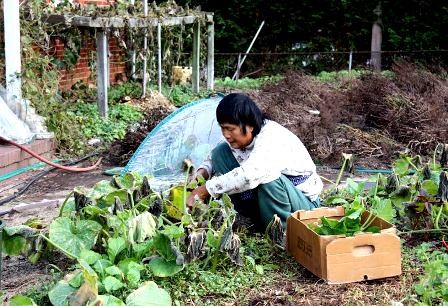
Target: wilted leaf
[[141, 227]]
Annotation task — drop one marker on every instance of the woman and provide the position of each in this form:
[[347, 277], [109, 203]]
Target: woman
[[264, 167]]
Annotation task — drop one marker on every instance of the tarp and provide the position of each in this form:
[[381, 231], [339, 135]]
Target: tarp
[[11, 127], [190, 132]]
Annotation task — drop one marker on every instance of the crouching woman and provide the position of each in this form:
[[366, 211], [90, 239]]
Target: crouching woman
[[263, 166]]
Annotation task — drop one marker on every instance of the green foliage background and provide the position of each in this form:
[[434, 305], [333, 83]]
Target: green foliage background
[[323, 25]]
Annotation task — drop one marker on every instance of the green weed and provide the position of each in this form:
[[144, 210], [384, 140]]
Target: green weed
[[246, 83]]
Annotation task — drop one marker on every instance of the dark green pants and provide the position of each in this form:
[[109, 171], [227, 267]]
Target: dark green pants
[[279, 197]]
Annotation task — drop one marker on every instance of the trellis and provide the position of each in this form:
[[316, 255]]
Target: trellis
[[102, 25]]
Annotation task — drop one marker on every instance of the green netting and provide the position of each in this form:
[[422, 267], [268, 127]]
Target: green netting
[[188, 133]]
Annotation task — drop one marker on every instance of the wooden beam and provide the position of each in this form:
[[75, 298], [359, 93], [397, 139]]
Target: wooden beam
[[145, 51], [102, 72], [119, 22], [159, 57], [210, 55], [196, 57], [12, 48]]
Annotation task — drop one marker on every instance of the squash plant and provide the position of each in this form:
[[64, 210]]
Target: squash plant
[[122, 238], [415, 195]]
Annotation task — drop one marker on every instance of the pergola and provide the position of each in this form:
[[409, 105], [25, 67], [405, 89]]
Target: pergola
[[102, 25]]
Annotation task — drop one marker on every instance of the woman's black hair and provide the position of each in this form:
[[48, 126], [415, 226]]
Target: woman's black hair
[[241, 110]]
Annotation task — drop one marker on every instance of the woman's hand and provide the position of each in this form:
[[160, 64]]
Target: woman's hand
[[200, 172], [202, 194]]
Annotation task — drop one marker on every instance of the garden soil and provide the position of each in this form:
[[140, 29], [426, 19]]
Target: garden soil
[[373, 117]]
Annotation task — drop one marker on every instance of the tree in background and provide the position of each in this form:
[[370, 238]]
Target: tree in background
[[329, 25]]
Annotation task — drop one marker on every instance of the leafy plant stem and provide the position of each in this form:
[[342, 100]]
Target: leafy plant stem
[[166, 220], [338, 180], [424, 231], [55, 267], [377, 183], [70, 255], [105, 233], [65, 202], [434, 156], [184, 206], [327, 180], [437, 220], [412, 164]]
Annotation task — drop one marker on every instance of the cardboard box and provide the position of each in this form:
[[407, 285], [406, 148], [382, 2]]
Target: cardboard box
[[339, 259]]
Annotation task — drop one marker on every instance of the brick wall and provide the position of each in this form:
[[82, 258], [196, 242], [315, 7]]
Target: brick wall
[[81, 71]]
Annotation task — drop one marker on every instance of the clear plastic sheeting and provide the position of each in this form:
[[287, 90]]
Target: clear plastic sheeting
[[191, 132], [11, 127]]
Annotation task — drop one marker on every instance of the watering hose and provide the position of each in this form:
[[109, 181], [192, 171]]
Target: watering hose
[[37, 177], [71, 169]]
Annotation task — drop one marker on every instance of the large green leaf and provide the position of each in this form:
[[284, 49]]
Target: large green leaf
[[133, 276], [20, 300], [149, 295], [128, 180], [13, 245], [101, 265], [114, 271], [430, 187], [90, 256], [109, 300], [173, 231], [109, 199], [100, 189], [383, 208], [401, 166], [74, 236], [163, 268], [114, 247], [353, 187], [21, 230], [162, 244], [112, 284], [59, 294]]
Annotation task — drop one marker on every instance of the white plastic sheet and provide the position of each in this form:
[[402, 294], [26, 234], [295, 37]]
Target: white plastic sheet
[[11, 127], [191, 132]]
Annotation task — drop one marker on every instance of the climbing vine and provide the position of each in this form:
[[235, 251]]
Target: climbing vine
[[42, 66]]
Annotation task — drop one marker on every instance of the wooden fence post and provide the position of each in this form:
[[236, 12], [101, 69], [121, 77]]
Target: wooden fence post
[[102, 71]]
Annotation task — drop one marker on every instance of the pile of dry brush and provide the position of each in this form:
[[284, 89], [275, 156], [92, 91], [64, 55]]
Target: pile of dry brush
[[373, 117]]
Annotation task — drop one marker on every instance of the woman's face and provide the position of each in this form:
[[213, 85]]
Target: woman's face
[[235, 136]]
